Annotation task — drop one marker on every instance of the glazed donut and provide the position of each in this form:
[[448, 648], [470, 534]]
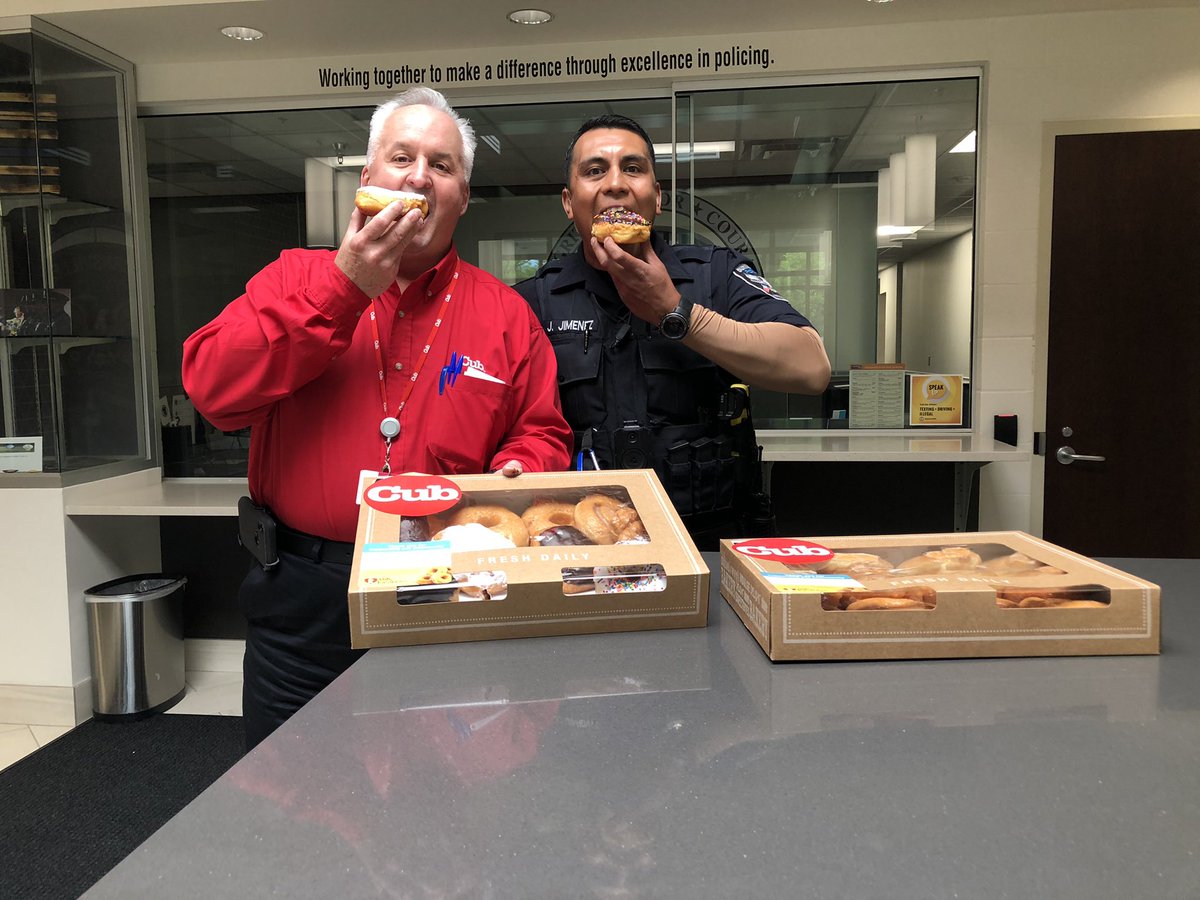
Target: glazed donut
[[1018, 564], [498, 518], [934, 562], [885, 603], [1010, 564], [915, 597], [1036, 602], [855, 564], [623, 225], [606, 520], [633, 533], [1049, 598], [546, 514], [373, 200]]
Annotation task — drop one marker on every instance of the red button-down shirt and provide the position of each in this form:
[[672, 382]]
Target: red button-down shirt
[[294, 359]]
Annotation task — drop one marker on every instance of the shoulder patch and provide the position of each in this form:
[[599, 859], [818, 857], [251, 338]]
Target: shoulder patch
[[746, 272]]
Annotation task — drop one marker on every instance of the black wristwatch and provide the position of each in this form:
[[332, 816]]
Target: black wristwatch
[[676, 324]]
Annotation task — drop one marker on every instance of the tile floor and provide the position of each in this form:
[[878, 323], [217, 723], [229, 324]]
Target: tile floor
[[208, 694]]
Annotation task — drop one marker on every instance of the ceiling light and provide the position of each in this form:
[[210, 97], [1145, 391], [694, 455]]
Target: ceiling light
[[966, 145], [241, 33], [698, 150], [529, 16]]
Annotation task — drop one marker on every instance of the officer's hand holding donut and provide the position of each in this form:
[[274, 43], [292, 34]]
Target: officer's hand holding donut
[[640, 277]]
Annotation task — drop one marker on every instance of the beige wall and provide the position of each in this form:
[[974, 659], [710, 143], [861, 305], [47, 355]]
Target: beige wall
[[45, 665], [935, 308]]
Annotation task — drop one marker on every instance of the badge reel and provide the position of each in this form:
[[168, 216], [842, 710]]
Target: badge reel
[[389, 427]]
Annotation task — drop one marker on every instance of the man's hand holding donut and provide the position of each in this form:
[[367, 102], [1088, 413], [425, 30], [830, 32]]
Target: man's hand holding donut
[[372, 248]]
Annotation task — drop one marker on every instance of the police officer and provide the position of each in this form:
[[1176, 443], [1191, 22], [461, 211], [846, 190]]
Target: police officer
[[650, 340]]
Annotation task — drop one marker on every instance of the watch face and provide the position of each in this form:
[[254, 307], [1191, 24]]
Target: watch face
[[673, 325]]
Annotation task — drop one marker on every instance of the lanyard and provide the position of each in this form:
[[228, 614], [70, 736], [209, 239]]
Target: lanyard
[[389, 426]]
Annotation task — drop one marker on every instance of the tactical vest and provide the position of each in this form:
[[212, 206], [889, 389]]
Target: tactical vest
[[639, 400]]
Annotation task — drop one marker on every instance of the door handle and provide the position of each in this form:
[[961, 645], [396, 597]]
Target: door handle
[[1067, 455]]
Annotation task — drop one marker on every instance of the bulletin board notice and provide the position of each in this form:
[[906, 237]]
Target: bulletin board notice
[[877, 395]]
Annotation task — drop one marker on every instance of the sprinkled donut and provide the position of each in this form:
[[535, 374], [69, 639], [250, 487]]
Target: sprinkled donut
[[623, 225], [498, 518]]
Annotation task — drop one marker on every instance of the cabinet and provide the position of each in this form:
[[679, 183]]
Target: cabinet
[[72, 359]]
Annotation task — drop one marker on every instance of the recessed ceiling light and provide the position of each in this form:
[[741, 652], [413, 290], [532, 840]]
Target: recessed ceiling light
[[241, 33], [529, 16], [879, 1]]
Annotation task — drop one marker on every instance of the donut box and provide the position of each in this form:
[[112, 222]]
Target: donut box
[[929, 596], [479, 557]]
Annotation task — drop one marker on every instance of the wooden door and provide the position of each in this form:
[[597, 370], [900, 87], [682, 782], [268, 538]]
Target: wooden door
[[1124, 339]]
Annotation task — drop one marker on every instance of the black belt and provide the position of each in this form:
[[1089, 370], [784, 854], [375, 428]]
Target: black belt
[[315, 548]]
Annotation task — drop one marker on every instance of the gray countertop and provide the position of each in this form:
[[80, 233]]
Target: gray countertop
[[686, 764]]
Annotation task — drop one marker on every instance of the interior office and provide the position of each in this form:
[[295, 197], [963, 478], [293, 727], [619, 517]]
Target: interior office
[[1039, 76]]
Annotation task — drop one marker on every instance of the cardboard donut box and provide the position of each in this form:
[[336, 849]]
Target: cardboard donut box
[[416, 578], [929, 596]]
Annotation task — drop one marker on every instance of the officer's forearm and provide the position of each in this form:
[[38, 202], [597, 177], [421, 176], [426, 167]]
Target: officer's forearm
[[772, 355]]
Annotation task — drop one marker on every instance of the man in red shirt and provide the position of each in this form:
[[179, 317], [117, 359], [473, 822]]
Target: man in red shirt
[[334, 361]]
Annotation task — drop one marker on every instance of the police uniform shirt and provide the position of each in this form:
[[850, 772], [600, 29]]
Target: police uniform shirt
[[615, 369]]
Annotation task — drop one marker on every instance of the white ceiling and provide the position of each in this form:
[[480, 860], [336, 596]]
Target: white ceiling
[[164, 31]]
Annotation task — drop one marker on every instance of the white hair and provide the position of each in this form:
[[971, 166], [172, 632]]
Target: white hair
[[422, 96]]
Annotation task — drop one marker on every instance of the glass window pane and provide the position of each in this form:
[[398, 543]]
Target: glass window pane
[[787, 175], [793, 179]]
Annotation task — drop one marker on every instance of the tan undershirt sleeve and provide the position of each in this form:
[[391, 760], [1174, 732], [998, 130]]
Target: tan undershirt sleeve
[[772, 355]]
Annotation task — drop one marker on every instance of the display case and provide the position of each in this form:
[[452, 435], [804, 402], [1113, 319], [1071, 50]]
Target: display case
[[73, 374]]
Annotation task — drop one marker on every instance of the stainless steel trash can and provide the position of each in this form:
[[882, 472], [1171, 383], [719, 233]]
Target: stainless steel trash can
[[135, 629]]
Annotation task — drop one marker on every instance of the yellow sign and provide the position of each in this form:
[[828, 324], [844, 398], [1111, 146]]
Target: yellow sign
[[935, 400]]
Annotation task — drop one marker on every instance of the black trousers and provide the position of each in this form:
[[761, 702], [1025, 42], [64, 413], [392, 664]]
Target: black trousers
[[297, 638]]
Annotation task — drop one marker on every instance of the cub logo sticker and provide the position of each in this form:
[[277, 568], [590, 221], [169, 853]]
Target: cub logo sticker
[[412, 495], [785, 550]]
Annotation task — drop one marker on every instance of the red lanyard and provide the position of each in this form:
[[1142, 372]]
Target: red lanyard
[[416, 369]]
